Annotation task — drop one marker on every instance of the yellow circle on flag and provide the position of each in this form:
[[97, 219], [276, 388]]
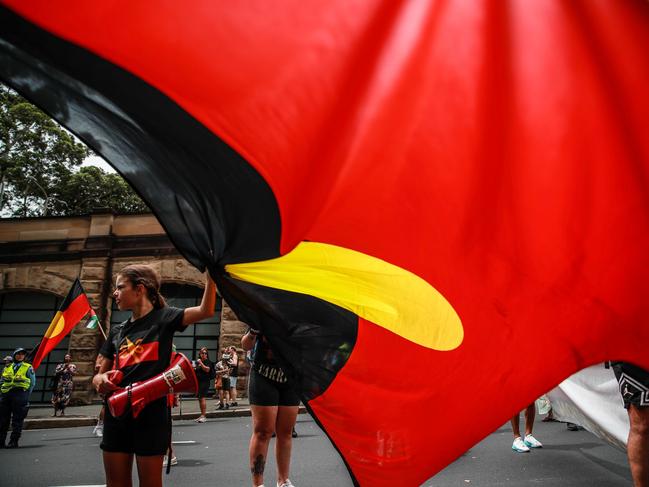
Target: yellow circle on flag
[[380, 292], [58, 328]]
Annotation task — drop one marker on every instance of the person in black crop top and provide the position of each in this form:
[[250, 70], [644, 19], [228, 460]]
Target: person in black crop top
[[141, 348], [273, 405]]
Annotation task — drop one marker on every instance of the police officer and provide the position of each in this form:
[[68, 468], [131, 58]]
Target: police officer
[[18, 381]]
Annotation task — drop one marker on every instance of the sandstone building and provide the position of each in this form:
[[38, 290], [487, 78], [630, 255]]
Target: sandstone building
[[41, 257]]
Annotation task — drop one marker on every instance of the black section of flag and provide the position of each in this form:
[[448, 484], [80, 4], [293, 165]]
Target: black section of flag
[[311, 338], [209, 199], [75, 291]]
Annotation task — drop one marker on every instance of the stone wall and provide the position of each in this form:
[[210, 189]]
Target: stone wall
[[51, 277], [85, 343]]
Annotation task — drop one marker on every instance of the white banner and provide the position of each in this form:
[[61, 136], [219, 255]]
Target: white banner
[[591, 398]]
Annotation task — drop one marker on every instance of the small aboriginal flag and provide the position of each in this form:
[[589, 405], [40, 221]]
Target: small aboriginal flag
[[74, 308]]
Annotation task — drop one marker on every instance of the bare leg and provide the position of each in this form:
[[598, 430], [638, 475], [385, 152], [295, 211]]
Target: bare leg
[[638, 445], [203, 404], [530, 412], [516, 422], [118, 468], [149, 470], [263, 426], [286, 417], [233, 394]]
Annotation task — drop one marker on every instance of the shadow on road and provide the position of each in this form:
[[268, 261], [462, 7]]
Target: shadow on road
[[572, 447], [191, 463], [620, 471]]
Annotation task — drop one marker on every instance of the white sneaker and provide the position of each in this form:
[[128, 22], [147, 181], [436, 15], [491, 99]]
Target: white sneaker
[[286, 483], [174, 461], [201, 419], [532, 442], [519, 446]]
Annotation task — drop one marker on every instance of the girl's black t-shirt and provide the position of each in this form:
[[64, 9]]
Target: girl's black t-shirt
[[141, 349]]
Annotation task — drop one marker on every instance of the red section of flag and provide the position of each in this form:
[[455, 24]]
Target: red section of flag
[[498, 150], [65, 320], [131, 353]]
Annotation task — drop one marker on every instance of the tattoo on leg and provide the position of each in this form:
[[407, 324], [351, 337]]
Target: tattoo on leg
[[258, 465]]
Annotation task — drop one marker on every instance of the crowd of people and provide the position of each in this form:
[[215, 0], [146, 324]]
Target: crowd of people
[[224, 373], [141, 348]]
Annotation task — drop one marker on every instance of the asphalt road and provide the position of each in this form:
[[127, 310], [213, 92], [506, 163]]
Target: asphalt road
[[215, 453]]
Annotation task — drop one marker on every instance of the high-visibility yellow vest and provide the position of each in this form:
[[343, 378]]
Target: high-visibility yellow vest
[[17, 379]]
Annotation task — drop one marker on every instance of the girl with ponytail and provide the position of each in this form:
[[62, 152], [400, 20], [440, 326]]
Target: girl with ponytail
[[140, 348], [139, 274]]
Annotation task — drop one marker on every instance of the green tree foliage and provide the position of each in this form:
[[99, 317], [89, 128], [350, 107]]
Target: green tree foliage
[[40, 170], [91, 188], [36, 155]]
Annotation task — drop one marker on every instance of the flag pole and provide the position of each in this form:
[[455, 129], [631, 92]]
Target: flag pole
[[101, 329], [93, 322]]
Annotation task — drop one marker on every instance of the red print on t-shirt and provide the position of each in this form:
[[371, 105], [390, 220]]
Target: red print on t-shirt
[[131, 353]]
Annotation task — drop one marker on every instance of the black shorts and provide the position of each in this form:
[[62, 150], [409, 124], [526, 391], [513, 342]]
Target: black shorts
[[146, 435], [225, 384], [203, 388], [267, 392], [633, 382]]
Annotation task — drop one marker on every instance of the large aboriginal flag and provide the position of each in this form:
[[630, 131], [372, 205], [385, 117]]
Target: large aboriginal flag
[[427, 206], [74, 307]]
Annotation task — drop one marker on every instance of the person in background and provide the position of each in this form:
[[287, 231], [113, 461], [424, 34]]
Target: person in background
[[523, 445], [234, 372], [173, 401], [274, 406], [204, 373], [64, 384], [7, 361], [633, 382], [223, 381], [18, 381], [98, 430]]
